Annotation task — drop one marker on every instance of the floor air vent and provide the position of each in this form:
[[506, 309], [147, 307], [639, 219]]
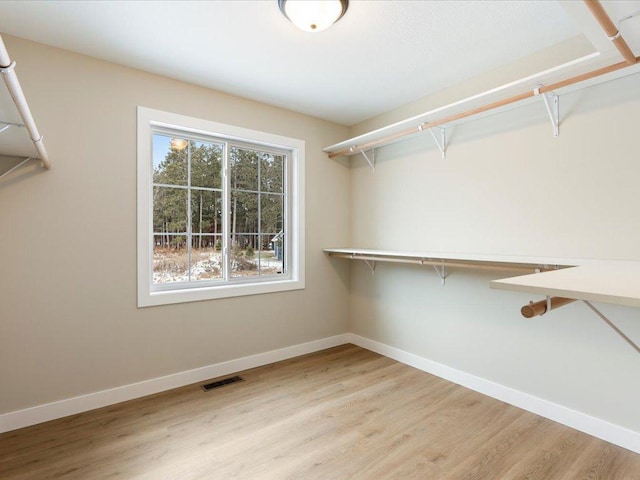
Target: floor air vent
[[221, 383]]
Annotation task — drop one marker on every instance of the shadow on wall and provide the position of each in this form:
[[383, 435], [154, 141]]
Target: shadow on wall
[[22, 173]]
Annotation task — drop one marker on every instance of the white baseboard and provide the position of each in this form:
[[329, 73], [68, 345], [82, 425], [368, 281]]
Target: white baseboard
[[595, 427], [51, 411], [602, 429]]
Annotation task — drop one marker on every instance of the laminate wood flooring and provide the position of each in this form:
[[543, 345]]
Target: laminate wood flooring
[[343, 413]]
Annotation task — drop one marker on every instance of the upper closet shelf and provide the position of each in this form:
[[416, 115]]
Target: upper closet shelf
[[20, 140], [532, 89], [543, 87]]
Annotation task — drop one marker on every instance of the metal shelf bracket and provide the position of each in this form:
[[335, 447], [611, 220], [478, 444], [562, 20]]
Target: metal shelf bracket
[[612, 326], [442, 143], [548, 305], [371, 161], [442, 273], [8, 125], [552, 104], [370, 263], [372, 266]]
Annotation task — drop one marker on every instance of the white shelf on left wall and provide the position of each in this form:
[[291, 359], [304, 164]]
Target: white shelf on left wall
[[20, 140]]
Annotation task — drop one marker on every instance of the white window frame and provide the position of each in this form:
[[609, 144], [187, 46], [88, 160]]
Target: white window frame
[[148, 119]]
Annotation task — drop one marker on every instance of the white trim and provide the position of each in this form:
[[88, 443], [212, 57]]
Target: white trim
[[596, 427], [51, 411], [148, 118]]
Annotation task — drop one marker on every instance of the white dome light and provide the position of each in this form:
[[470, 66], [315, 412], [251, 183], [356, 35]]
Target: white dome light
[[178, 144], [313, 15]]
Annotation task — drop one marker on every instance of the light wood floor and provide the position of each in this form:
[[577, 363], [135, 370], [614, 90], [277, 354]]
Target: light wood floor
[[344, 413]]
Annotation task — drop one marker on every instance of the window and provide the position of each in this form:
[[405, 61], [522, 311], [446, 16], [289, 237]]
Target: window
[[220, 210]]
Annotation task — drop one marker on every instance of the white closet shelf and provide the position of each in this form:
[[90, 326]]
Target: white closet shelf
[[576, 74], [542, 87], [20, 140], [454, 260], [607, 281], [561, 280], [614, 282]]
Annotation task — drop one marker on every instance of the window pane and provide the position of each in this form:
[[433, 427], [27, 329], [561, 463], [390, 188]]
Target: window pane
[[244, 169], [169, 210], [206, 165], [170, 259], [271, 173], [271, 213], [169, 160], [272, 254], [206, 257], [206, 212], [244, 256], [244, 213]]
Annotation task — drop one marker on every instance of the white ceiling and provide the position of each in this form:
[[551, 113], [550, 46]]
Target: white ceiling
[[380, 55]]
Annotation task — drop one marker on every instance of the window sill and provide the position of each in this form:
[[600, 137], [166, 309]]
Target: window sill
[[150, 299]]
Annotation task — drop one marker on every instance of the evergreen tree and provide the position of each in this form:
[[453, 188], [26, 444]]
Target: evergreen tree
[[256, 209]]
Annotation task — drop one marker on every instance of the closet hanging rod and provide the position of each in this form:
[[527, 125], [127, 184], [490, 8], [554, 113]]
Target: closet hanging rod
[[551, 303], [594, 6], [540, 308], [420, 118], [15, 90], [484, 108], [598, 11]]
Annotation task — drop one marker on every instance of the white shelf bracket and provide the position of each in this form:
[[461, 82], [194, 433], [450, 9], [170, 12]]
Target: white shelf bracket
[[548, 305], [372, 266], [442, 143], [371, 161], [442, 273], [552, 104], [8, 125], [613, 327]]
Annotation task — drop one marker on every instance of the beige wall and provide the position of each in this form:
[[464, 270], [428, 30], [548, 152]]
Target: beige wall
[[508, 187], [68, 318]]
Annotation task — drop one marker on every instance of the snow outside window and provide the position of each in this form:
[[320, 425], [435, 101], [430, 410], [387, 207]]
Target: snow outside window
[[220, 210]]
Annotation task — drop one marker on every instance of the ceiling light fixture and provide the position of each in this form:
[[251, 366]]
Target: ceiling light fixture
[[178, 143], [313, 15]]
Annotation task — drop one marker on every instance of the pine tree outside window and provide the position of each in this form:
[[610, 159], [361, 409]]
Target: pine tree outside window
[[223, 210]]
